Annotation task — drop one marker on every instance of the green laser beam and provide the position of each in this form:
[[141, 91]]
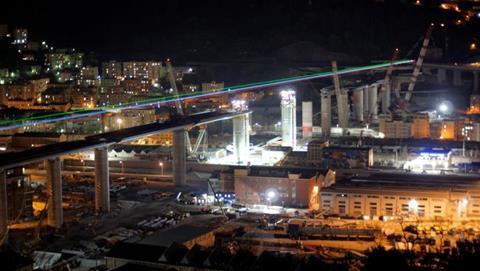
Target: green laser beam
[[186, 95]]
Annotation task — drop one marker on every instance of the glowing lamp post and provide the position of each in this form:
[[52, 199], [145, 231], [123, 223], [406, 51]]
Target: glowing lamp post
[[161, 166], [462, 207], [119, 122], [413, 206], [445, 108], [270, 196]]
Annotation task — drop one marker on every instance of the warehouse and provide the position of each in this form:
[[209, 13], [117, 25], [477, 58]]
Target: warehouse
[[390, 195]]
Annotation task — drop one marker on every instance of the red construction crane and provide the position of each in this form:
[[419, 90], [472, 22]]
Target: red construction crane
[[418, 64]]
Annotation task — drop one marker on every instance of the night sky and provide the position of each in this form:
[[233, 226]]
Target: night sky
[[216, 29]]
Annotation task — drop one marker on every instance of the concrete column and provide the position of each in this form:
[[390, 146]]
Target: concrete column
[[345, 116], [179, 158], [475, 82], [366, 103], [396, 85], [326, 112], [373, 102], [358, 104], [102, 181], [307, 120], [457, 78], [241, 139], [441, 76], [53, 169], [386, 97], [289, 118], [3, 206]]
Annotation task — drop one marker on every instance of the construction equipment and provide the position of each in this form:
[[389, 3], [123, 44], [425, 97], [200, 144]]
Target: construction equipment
[[202, 138], [402, 104], [418, 64], [215, 196], [342, 98], [178, 103], [388, 77]]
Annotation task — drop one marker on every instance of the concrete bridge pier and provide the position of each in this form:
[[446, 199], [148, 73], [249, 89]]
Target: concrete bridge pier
[[386, 98], [241, 138], [53, 169], [102, 181], [366, 103], [179, 158], [326, 113], [3, 206], [358, 104], [373, 102]]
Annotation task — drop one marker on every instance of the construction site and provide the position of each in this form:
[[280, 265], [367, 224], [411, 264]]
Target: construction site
[[327, 163]]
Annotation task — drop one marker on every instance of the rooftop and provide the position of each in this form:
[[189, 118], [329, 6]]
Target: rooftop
[[180, 234], [266, 171], [380, 183], [136, 251]]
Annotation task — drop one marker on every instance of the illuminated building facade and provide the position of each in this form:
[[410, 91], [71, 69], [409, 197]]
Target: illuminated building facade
[[421, 196], [394, 128], [84, 97], [26, 91], [142, 70], [112, 70], [213, 86], [131, 118], [89, 76], [429, 160], [20, 36], [452, 129], [279, 186], [63, 59], [420, 126], [474, 104]]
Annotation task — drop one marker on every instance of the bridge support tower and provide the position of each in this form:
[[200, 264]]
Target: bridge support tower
[[179, 158], [102, 181], [53, 169]]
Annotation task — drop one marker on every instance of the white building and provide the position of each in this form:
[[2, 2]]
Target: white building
[[421, 196]]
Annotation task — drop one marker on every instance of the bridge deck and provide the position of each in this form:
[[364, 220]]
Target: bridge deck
[[16, 159]]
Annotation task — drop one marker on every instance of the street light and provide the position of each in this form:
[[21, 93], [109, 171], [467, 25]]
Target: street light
[[413, 206], [119, 122], [271, 194], [445, 107], [462, 206], [161, 166]]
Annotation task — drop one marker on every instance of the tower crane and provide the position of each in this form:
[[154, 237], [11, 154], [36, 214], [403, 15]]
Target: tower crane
[[400, 103], [342, 98], [388, 77], [418, 64]]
